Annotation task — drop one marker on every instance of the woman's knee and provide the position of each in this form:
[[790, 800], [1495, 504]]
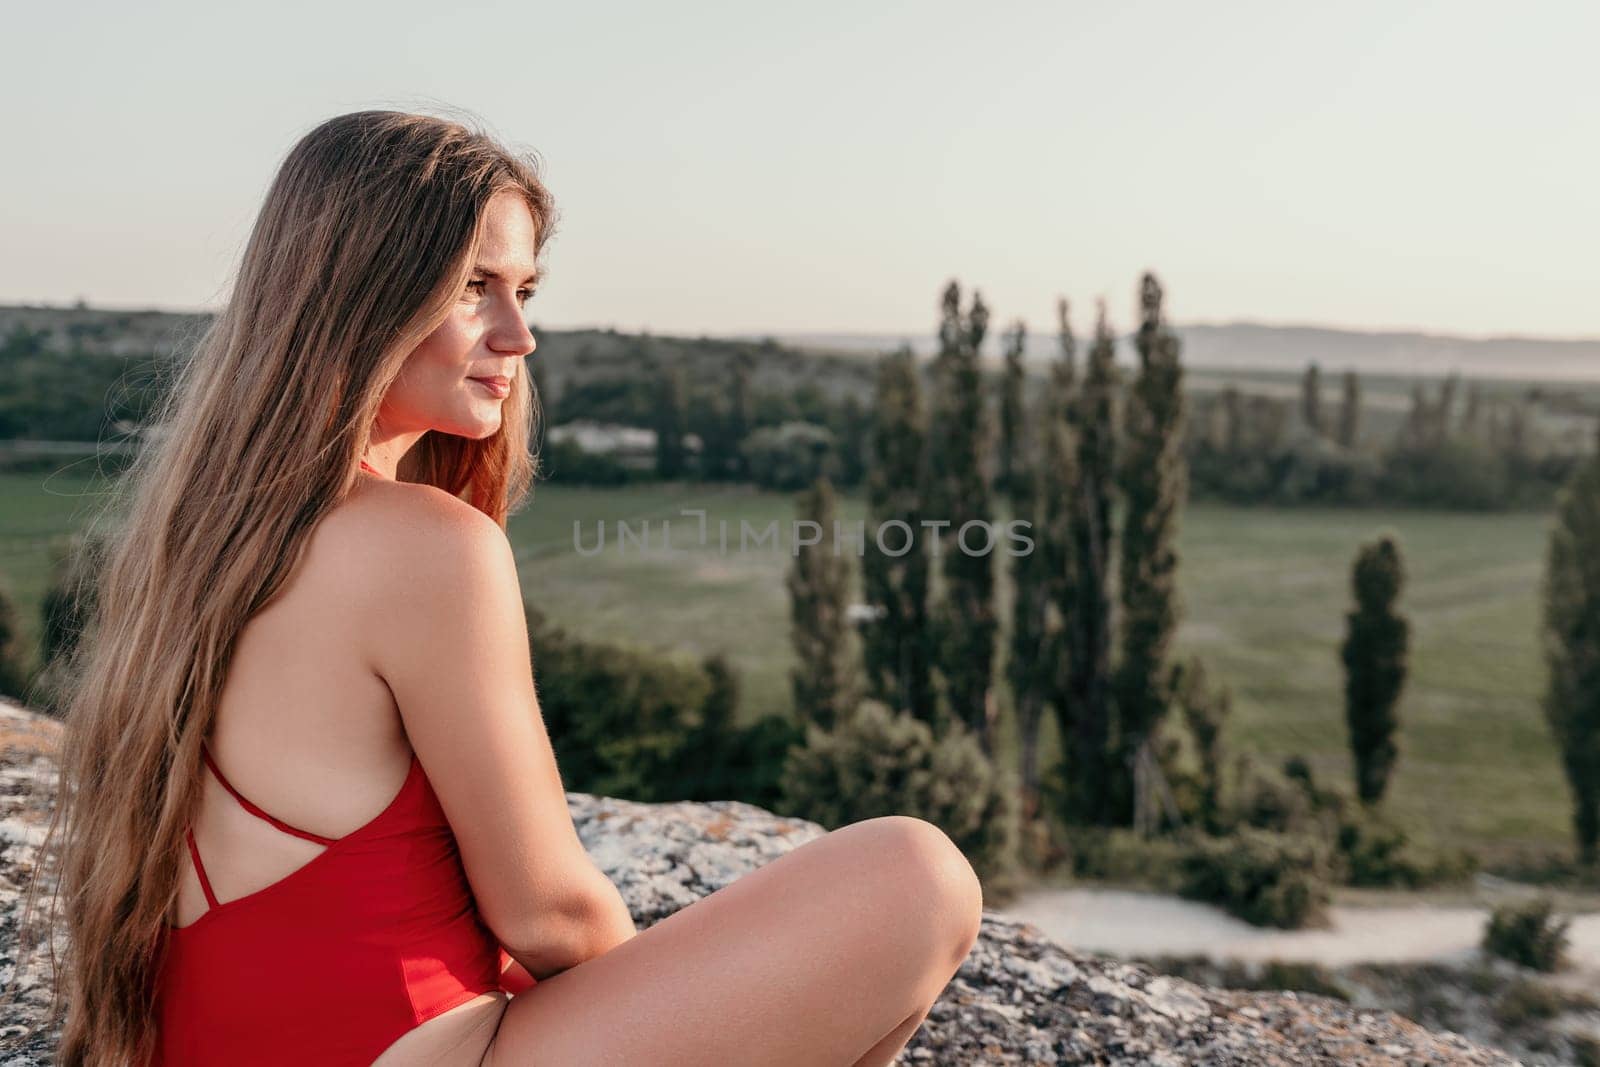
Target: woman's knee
[[922, 863]]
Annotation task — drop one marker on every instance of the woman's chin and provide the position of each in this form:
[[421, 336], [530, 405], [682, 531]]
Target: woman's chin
[[475, 429]]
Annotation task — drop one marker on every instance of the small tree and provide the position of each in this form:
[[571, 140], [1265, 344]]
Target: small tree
[[1154, 480], [1374, 655], [960, 496], [720, 759], [1350, 410], [669, 423], [1472, 412], [1571, 633], [1311, 398], [1205, 712], [741, 415], [1030, 666], [897, 645], [823, 680], [1013, 414], [1081, 458]]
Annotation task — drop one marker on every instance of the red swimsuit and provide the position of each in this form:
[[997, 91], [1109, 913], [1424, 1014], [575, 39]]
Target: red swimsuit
[[331, 964]]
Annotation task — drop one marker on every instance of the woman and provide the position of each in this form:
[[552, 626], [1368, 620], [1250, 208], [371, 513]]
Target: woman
[[310, 812]]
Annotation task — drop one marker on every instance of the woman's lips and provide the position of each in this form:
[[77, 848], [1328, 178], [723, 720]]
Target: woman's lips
[[500, 387]]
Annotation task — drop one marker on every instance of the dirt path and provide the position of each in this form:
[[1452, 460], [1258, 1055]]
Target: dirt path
[[1126, 923]]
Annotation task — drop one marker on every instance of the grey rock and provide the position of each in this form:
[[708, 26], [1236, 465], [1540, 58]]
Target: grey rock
[[1019, 998]]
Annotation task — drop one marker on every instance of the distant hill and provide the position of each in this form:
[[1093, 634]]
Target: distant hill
[[566, 359], [1231, 346], [1250, 346]]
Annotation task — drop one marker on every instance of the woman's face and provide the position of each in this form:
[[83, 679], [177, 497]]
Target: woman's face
[[484, 337]]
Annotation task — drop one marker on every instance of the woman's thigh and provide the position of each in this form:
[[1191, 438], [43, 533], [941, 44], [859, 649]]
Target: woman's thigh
[[805, 962]]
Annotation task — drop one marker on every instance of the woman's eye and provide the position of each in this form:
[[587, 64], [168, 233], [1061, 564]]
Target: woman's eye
[[524, 295], [476, 287]]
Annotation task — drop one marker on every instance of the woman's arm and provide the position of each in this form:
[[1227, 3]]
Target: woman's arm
[[602, 926], [451, 643]]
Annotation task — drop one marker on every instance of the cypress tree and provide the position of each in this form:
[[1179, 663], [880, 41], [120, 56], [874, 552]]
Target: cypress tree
[[1571, 639], [1012, 414], [1030, 666], [1233, 420], [1517, 435], [967, 622], [1084, 463], [1374, 654], [1064, 370], [1472, 411], [852, 429], [823, 681], [737, 421], [1311, 398], [1090, 624], [1153, 481], [1350, 411], [1267, 421], [1447, 403], [897, 646], [543, 395], [1205, 712], [670, 411], [1414, 430], [937, 490]]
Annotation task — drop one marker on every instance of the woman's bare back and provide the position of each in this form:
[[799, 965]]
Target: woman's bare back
[[309, 732], [830, 955]]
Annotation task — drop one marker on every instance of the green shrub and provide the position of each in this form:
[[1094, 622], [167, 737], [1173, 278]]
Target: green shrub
[[1265, 878], [1284, 802], [721, 760], [569, 463], [1122, 856], [1527, 932], [1460, 472], [630, 724], [1365, 847], [1375, 852], [877, 762], [1300, 977], [1525, 1002], [790, 456]]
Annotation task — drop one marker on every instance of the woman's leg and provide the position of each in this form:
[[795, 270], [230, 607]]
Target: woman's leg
[[883, 1053], [828, 956]]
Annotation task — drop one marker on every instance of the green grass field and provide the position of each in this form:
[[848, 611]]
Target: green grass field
[[1264, 592]]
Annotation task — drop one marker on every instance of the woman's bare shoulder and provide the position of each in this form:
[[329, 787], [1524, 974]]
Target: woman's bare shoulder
[[404, 537], [402, 515]]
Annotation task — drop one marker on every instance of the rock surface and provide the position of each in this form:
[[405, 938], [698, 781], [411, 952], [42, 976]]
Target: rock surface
[[1017, 999]]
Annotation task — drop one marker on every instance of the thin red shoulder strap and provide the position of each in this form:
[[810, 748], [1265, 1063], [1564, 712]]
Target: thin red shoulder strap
[[200, 868], [245, 803]]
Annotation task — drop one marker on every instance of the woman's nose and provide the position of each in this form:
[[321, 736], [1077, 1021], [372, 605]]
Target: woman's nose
[[514, 336]]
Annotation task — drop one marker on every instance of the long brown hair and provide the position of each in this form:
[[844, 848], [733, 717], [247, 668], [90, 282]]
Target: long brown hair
[[366, 238]]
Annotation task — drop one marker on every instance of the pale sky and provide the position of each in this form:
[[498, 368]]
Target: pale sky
[[827, 166]]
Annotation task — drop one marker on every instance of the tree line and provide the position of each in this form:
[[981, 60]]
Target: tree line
[[1454, 448], [1095, 464]]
